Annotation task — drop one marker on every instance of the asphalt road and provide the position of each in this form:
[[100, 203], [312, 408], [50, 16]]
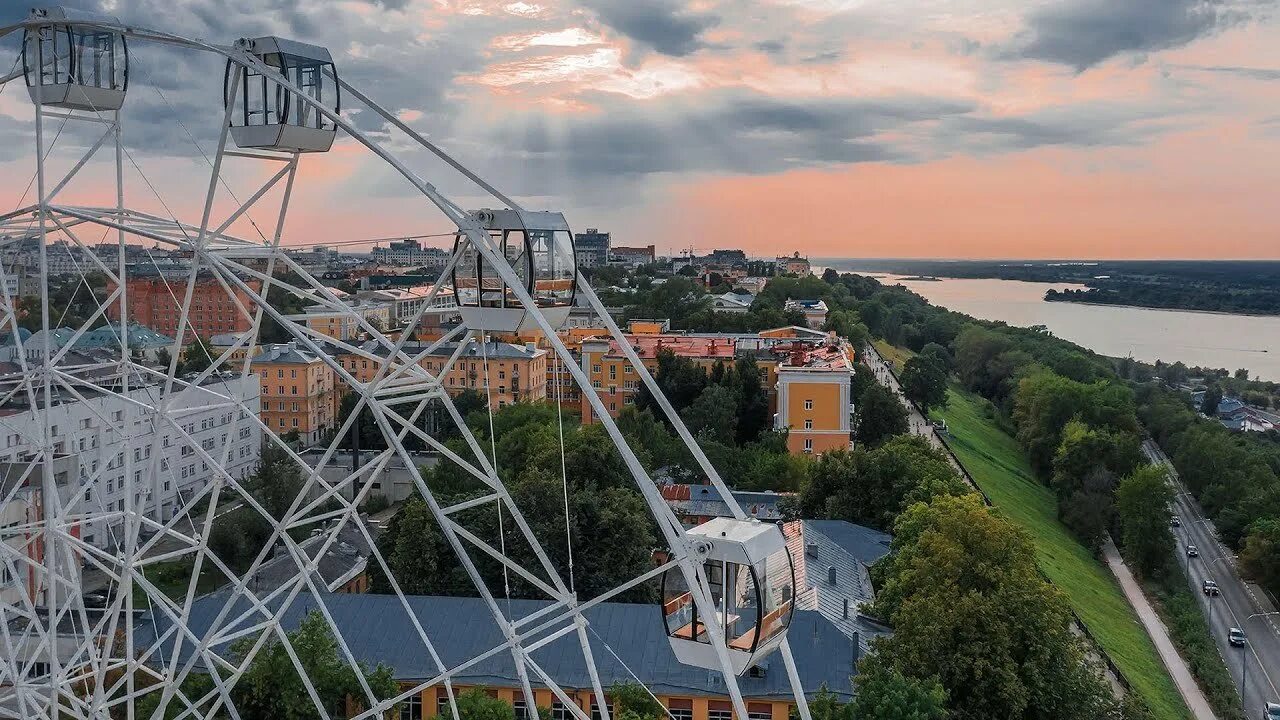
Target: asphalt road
[[1257, 665]]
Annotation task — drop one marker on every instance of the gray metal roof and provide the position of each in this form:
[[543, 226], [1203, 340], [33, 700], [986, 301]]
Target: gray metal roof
[[842, 549], [492, 350], [622, 636], [284, 353]]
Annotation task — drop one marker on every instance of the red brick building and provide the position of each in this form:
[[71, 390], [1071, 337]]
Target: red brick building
[[156, 302]]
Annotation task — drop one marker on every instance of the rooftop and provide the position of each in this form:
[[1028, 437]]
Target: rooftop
[[624, 638], [491, 349], [288, 353], [648, 346]]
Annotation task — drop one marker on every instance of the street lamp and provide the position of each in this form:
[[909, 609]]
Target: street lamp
[[1244, 659]]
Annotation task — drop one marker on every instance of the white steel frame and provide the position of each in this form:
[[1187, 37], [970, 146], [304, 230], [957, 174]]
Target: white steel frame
[[398, 393]]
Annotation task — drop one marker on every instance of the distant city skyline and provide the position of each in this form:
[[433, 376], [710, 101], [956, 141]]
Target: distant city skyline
[[838, 128]]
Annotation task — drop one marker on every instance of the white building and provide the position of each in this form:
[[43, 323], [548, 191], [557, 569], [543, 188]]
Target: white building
[[410, 252], [406, 303], [165, 466]]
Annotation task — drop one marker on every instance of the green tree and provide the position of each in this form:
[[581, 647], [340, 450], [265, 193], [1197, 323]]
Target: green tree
[[879, 415], [1142, 500], [826, 705], [195, 357], [969, 608], [939, 353], [1260, 556], [714, 415], [883, 693], [412, 550], [631, 697], [924, 382], [271, 688], [873, 487], [476, 704], [680, 380], [1212, 398]]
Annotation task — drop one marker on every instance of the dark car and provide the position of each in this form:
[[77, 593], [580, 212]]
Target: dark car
[[95, 599], [1210, 587], [1175, 521], [1235, 636], [1192, 551]]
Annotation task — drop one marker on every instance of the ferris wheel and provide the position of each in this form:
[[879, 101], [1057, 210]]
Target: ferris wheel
[[71, 521]]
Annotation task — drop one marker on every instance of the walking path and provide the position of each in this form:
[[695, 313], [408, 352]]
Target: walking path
[[1178, 669]]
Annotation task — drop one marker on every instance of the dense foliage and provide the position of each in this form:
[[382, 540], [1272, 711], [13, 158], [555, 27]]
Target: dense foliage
[[971, 612]]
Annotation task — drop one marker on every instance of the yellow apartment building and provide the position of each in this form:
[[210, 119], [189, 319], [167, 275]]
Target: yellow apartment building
[[298, 391], [515, 373], [343, 325], [813, 397]]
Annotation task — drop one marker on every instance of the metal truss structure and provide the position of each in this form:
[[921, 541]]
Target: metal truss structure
[[62, 659]]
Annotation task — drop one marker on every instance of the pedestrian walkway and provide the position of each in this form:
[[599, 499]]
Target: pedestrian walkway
[[1182, 677], [1178, 669]]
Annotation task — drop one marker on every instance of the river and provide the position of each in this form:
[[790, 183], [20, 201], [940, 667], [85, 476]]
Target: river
[[1218, 340]]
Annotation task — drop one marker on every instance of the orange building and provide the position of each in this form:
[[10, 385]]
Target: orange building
[[156, 302], [516, 373], [298, 391], [813, 397], [616, 380]]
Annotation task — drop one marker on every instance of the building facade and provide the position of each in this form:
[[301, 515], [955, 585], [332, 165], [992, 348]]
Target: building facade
[[591, 248], [515, 373], [343, 324], [298, 391], [813, 397], [165, 466], [793, 265], [633, 256], [410, 252], [157, 303]]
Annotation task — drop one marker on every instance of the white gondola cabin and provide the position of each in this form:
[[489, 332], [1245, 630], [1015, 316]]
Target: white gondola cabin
[[269, 116], [751, 582], [539, 247], [74, 62]]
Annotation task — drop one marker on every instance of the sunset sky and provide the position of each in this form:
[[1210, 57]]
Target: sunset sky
[[839, 128]]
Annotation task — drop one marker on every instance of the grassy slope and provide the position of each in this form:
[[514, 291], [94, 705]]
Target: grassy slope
[[1001, 469]]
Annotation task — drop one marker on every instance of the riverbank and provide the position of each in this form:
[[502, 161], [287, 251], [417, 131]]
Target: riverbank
[[1067, 300], [1001, 469]]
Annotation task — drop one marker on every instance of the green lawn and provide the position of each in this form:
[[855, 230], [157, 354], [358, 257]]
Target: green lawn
[[1000, 468], [898, 356], [173, 577]]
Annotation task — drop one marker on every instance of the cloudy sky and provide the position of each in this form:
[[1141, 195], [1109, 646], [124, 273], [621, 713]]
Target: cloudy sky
[[852, 128]]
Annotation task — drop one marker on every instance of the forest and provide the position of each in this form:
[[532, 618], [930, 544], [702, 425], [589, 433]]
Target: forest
[[1233, 286]]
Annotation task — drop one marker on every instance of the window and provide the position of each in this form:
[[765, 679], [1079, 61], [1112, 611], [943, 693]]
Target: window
[[442, 704], [595, 709], [595, 369], [808, 445], [808, 404], [680, 709], [411, 708], [613, 372], [808, 424], [560, 712], [719, 710], [759, 711]]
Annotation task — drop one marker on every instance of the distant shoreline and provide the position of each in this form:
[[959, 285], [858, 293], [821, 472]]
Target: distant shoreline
[[1165, 309]]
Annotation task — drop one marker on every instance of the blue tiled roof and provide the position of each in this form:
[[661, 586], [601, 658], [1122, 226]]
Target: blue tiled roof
[[378, 630], [862, 543]]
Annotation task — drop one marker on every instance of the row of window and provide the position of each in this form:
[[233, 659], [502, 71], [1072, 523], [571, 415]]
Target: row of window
[[678, 709]]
